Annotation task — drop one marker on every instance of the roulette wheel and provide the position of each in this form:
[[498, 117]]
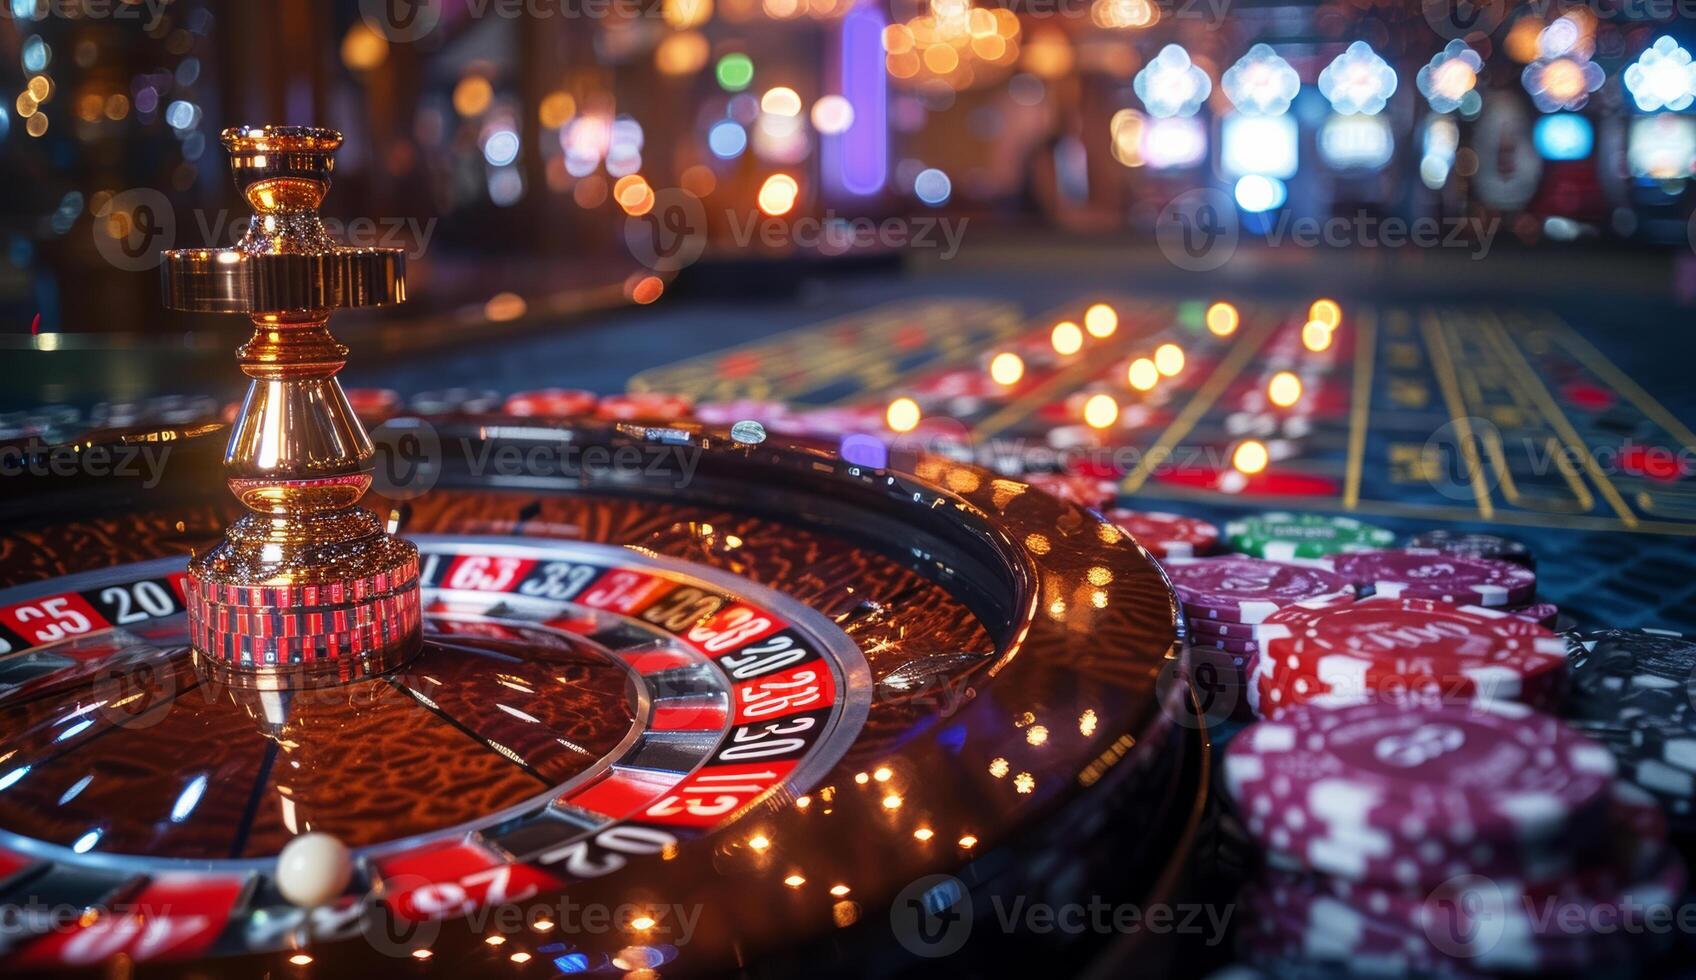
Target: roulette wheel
[[595, 695]]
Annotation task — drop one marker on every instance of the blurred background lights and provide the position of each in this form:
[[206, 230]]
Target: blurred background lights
[[903, 415], [1561, 83], [1066, 338], [781, 101], [1100, 320], [1124, 14], [1263, 84], [1662, 77], [1250, 457], [1171, 85], [1126, 129], [734, 72], [501, 148], [1357, 142], [1256, 193], [1266, 146], [1174, 144], [1358, 81], [1100, 411], [1142, 374], [1284, 389], [933, 187], [1006, 368], [1450, 76], [727, 140], [1326, 311], [832, 114], [777, 195], [1169, 360], [1563, 136], [1221, 319]]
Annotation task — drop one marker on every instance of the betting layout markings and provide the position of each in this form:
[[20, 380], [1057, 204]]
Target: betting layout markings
[[1245, 343], [1085, 366], [810, 356], [1557, 419]]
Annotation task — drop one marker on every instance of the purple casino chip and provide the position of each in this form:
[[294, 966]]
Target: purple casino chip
[[1247, 590], [1426, 573], [1390, 777], [1544, 613]]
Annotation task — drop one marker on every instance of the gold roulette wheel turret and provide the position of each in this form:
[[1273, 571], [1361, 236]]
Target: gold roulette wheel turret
[[308, 582]]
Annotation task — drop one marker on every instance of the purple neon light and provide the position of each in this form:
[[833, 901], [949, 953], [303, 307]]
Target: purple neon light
[[862, 152]]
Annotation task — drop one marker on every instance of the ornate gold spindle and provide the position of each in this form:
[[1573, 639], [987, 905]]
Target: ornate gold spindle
[[307, 583]]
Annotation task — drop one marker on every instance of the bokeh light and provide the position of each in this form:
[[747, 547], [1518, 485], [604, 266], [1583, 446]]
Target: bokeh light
[[1221, 319], [1100, 411], [1250, 457], [903, 415], [1006, 368], [1066, 338], [1100, 320]]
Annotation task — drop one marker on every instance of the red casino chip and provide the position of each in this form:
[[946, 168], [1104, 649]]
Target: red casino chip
[[957, 383], [551, 403], [1086, 491], [374, 403], [1166, 535], [645, 407], [839, 421], [1404, 651], [731, 412]]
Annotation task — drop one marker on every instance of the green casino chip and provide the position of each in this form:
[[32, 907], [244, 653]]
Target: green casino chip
[[1281, 535]]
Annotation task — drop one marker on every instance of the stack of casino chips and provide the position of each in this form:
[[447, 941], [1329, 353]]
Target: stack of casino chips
[[1634, 690], [1433, 626], [1451, 839], [1403, 651], [1224, 598]]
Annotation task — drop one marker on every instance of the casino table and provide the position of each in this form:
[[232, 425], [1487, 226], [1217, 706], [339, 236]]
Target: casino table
[[1583, 448], [1549, 418]]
